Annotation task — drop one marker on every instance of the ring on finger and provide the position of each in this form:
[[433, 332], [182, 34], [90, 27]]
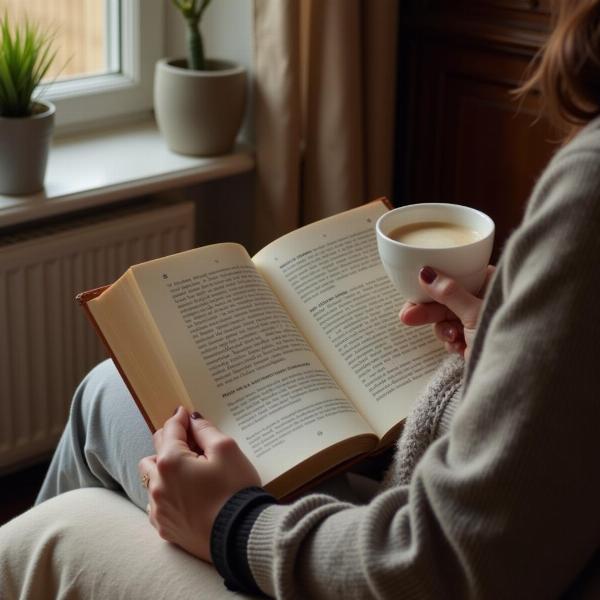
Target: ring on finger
[[146, 480]]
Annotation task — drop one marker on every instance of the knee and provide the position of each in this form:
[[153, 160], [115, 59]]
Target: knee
[[102, 375], [101, 387]]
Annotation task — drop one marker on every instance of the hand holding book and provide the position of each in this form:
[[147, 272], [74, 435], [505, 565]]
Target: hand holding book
[[180, 481]]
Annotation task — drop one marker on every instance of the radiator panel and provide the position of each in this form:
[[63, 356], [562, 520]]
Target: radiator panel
[[46, 343]]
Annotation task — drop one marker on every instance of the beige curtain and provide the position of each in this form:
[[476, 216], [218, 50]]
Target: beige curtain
[[324, 108]]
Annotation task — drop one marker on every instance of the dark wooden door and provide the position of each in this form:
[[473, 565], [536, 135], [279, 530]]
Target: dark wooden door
[[464, 137]]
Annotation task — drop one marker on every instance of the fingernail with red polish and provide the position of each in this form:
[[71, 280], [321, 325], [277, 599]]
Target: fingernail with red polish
[[196, 415], [449, 333], [427, 274]]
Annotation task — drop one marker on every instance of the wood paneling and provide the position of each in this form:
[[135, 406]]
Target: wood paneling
[[514, 15], [466, 139], [525, 6]]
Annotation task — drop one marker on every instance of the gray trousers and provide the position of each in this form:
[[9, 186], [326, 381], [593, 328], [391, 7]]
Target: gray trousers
[[103, 441]]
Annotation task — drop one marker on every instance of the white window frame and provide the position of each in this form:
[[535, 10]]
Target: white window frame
[[85, 101]]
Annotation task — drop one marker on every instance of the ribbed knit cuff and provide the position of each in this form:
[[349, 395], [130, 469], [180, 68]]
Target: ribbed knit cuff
[[229, 538], [261, 549]]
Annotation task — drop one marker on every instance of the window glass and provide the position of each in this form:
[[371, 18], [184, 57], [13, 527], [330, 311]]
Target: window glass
[[86, 33]]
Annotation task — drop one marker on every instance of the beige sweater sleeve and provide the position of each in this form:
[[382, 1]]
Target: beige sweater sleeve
[[505, 504]]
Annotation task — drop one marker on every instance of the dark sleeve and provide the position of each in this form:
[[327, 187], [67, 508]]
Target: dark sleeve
[[229, 538]]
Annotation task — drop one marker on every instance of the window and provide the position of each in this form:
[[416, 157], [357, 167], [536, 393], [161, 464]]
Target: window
[[85, 34], [106, 50]]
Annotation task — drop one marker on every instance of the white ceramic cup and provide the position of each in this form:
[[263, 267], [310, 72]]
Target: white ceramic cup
[[402, 262]]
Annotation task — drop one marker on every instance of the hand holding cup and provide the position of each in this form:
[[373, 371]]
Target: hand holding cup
[[453, 311]]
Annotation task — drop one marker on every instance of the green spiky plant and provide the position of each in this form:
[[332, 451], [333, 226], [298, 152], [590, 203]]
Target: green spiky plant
[[26, 54], [193, 11]]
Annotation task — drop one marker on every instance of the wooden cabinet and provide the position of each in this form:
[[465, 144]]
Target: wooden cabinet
[[524, 9], [463, 136]]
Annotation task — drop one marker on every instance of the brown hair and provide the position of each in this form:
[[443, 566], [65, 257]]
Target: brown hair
[[567, 72]]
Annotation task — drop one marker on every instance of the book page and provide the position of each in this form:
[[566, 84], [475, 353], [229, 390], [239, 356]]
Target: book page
[[329, 277], [243, 362], [137, 348]]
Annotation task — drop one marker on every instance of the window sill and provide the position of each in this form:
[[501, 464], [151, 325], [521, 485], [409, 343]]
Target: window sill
[[90, 170]]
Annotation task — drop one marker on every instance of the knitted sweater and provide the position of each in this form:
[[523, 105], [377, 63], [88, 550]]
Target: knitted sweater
[[496, 495]]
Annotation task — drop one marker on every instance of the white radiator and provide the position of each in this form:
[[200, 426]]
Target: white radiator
[[46, 343]]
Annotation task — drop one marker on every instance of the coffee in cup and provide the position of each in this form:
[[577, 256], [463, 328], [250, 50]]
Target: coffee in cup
[[434, 234], [455, 239]]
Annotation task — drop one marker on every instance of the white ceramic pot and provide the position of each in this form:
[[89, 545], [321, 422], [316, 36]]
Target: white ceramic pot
[[199, 112], [24, 144]]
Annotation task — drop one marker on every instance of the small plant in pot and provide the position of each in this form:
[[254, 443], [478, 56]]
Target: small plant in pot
[[26, 122], [198, 102]]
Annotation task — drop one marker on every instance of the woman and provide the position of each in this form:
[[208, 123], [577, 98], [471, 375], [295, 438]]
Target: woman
[[494, 488]]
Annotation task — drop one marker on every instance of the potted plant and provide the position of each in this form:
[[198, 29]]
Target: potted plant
[[26, 123], [198, 102]]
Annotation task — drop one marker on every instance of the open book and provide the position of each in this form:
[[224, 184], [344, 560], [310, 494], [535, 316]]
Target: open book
[[297, 353]]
